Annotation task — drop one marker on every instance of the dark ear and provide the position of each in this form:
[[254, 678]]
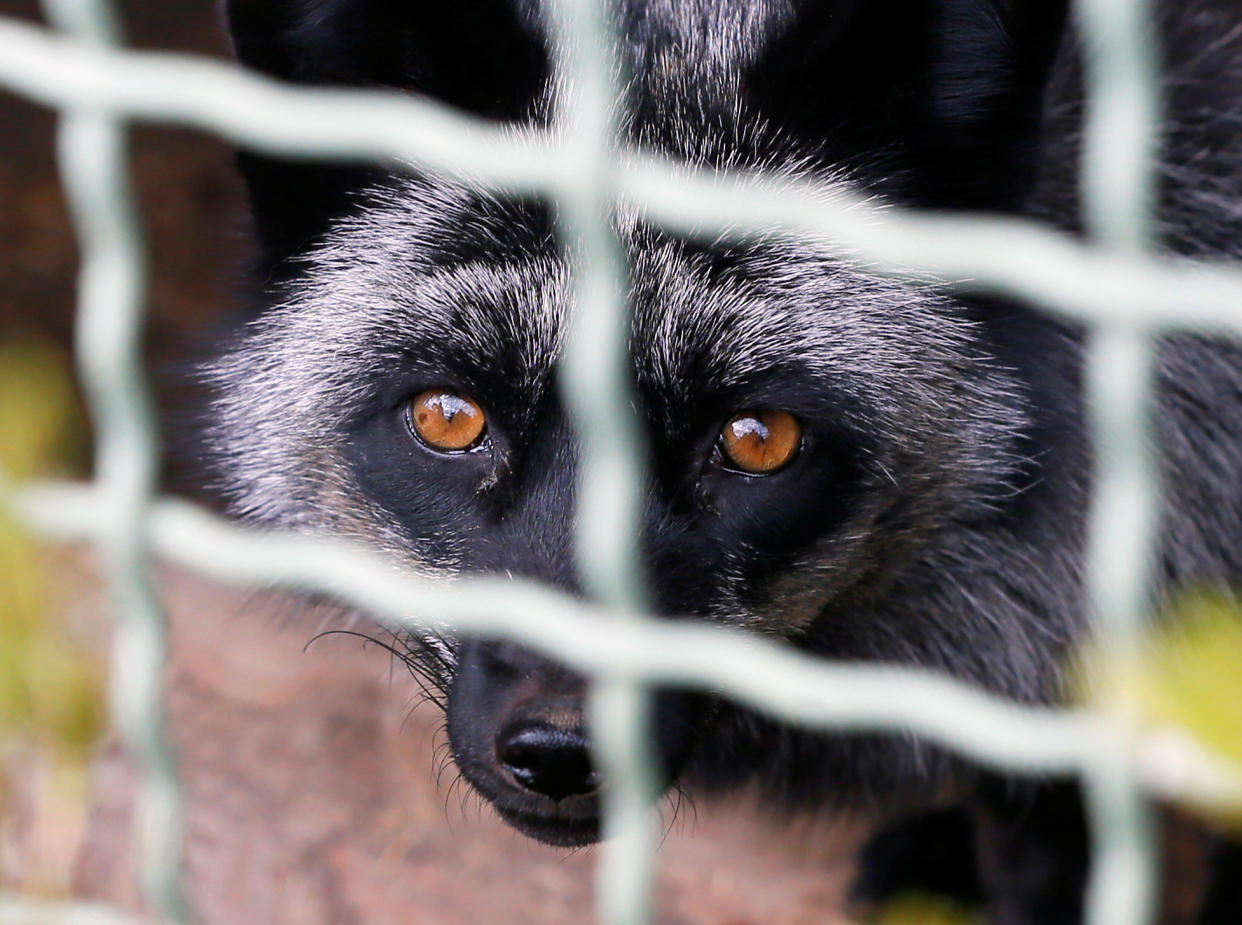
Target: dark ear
[[487, 57], [944, 94]]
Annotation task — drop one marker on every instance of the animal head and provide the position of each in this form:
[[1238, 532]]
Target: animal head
[[820, 439]]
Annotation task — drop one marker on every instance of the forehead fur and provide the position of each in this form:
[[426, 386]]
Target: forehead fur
[[435, 277], [443, 275], [720, 319]]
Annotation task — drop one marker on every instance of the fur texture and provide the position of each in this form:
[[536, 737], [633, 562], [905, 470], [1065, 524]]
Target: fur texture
[[934, 513]]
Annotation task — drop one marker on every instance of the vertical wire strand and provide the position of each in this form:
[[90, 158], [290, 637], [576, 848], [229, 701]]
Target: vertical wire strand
[[597, 386], [94, 167], [1119, 190]]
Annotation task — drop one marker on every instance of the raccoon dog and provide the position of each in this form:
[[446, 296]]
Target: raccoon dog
[[870, 470]]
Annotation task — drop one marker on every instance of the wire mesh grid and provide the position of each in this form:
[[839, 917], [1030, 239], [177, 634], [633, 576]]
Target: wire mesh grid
[[1113, 284]]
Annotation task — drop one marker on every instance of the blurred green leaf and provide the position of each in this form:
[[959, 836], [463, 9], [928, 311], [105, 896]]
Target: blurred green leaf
[[922, 909], [51, 687], [1188, 675], [1192, 672], [38, 408]]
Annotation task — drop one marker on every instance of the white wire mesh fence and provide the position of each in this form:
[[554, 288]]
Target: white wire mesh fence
[[1113, 284]]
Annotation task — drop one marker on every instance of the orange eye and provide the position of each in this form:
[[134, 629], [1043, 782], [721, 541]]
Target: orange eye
[[760, 442], [447, 421]]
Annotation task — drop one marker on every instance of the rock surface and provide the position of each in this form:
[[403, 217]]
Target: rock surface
[[311, 781]]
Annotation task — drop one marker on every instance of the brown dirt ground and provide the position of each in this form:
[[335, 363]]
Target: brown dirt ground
[[313, 798], [312, 793]]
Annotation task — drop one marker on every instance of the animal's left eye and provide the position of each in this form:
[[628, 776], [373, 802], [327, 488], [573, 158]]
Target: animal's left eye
[[760, 442], [447, 421]]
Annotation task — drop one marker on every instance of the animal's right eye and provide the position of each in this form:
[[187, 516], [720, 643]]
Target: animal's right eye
[[760, 442], [447, 421]]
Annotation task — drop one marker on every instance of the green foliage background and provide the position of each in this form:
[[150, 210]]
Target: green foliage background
[[51, 685]]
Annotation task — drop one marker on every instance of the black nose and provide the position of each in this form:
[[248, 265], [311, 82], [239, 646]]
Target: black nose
[[547, 760]]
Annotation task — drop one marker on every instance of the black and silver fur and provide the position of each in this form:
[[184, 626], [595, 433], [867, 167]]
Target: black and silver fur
[[935, 513]]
